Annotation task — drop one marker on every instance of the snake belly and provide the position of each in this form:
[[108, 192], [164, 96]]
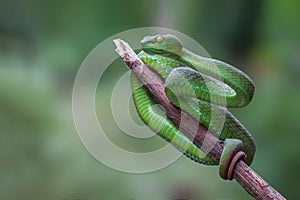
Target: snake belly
[[194, 96]]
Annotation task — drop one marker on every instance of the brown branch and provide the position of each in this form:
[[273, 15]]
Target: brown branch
[[243, 174]]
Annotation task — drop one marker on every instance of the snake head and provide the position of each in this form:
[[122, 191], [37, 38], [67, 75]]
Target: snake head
[[162, 44]]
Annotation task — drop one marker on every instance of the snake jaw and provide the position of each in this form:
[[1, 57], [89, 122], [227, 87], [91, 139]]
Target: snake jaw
[[153, 51]]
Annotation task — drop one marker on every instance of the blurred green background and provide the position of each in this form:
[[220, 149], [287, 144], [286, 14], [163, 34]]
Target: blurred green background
[[42, 44]]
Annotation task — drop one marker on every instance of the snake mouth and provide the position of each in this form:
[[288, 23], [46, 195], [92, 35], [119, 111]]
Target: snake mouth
[[153, 51]]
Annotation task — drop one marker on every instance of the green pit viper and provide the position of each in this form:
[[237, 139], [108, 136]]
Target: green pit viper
[[202, 87]]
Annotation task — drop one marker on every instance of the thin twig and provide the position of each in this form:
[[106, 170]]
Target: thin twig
[[243, 174]]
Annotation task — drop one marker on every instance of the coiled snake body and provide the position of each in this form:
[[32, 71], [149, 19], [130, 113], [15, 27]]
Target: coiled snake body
[[202, 87]]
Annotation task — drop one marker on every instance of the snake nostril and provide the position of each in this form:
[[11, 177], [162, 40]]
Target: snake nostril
[[145, 39]]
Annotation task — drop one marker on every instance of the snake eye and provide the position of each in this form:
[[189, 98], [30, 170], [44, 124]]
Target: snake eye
[[159, 39]]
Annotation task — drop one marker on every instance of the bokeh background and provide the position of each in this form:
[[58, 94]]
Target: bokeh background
[[42, 44]]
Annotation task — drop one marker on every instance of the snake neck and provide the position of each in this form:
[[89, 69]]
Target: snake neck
[[219, 70], [187, 57], [196, 62], [201, 64]]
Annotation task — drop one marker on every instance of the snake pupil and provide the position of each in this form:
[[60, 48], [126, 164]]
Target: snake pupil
[[159, 39]]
